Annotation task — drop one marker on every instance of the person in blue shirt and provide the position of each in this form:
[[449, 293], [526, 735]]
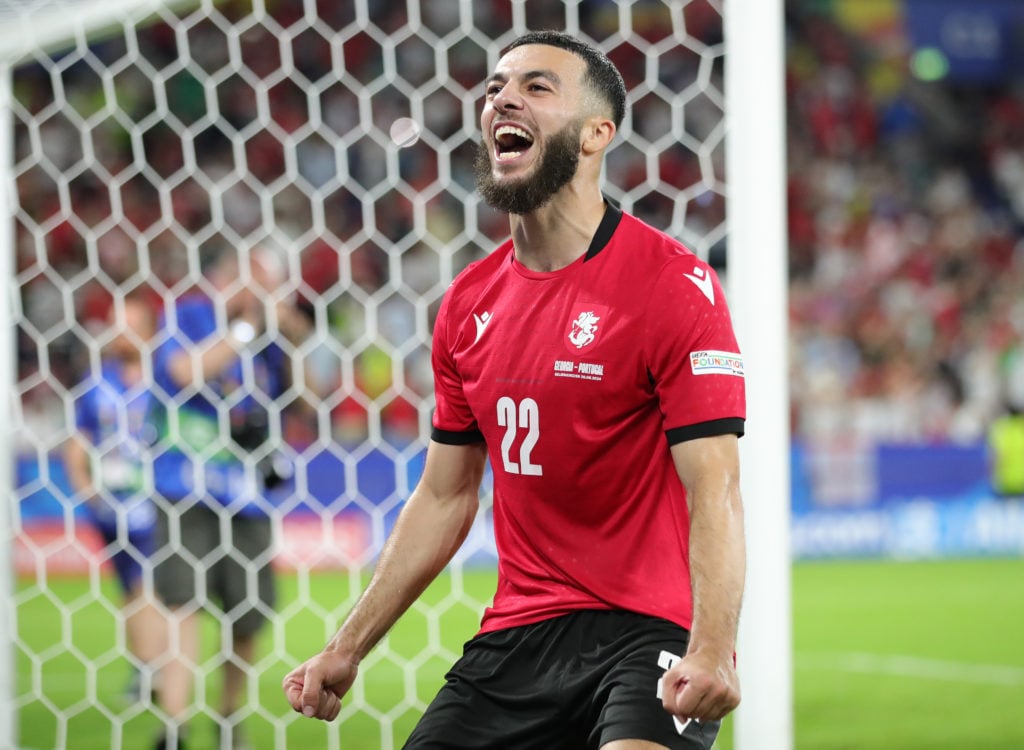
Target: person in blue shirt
[[107, 461], [222, 374]]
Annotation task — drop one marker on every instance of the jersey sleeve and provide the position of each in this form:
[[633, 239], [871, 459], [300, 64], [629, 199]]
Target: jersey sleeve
[[453, 423], [193, 321], [693, 359], [173, 341], [86, 417]]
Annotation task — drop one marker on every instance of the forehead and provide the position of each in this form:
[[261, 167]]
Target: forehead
[[135, 312], [540, 58]]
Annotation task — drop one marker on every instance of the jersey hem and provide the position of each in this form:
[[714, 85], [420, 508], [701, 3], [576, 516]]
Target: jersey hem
[[493, 623]]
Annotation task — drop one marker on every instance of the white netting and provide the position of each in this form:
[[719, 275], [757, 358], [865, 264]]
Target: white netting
[[266, 124]]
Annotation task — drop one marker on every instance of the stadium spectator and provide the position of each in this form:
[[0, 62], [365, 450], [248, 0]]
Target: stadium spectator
[[107, 461], [220, 359], [617, 511], [1006, 453]]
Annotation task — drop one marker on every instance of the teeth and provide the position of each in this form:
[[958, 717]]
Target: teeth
[[509, 137], [512, 130]]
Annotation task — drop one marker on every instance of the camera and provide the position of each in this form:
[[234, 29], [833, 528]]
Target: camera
[[250, 429], [275, 470]]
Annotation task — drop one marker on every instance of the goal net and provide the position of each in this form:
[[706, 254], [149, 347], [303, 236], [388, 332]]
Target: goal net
[[146, 133]]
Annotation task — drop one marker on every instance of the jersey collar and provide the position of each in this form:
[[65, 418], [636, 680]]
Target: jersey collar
[[605, 230]]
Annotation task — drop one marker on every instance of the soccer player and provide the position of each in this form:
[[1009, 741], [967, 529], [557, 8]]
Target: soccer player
[[215, 528], [113, 420], [591, 358]]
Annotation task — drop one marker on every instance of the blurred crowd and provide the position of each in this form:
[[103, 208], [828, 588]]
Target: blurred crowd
[[905, 226], [906, 199]]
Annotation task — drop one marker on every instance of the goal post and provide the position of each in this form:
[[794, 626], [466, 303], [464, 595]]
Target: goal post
[[30, 26], [137, 132], [8, 613], [756, 216]]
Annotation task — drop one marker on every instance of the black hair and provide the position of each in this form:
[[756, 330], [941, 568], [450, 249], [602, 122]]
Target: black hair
[[215, 254], [602, 75]]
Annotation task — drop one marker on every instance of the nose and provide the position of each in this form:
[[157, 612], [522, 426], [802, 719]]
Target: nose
[[508, 98]]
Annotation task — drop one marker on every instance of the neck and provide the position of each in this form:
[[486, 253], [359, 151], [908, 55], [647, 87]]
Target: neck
[[558, 233]]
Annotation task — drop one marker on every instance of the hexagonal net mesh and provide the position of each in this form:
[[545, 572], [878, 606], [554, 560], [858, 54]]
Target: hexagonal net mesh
[[264, 128]]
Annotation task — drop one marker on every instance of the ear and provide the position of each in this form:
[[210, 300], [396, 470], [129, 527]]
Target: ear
[[597, 134]]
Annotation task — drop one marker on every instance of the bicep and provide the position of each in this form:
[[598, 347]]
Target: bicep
[[76, 457], [708, 466], [75, 448], [453, 471], [83, 436], [174, 362]]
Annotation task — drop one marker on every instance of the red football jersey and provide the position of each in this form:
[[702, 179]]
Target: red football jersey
[[578, 381]]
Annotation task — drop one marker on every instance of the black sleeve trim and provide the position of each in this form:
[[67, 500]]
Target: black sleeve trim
[[448, 437], [726, 426]]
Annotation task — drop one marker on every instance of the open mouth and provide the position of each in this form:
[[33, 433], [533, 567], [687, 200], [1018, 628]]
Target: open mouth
[[511, 141]]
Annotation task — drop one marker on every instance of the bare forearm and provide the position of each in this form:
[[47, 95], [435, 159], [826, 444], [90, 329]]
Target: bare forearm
[[426, 536], [704, 684], [218, 352], [717, 570], [76, 465], [430, 529]]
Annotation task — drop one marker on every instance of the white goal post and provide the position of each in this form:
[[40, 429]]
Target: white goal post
[[28, 26], [756, 159], [8, 613], [397, 223]]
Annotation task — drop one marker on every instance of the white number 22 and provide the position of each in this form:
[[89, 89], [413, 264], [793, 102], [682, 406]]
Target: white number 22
[[527, 417]]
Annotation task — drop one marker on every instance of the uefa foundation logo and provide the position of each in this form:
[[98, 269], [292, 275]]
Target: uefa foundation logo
[[716, 363]]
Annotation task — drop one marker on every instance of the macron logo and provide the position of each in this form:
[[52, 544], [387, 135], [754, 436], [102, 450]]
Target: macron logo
[[682, 725], [701, 278], [481, 323], [667, 660]]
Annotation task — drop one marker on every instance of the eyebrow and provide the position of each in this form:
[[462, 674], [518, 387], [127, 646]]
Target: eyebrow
[[528, 76]]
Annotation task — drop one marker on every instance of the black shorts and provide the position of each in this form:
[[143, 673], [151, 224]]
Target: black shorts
[[578, 681], [231, 577], [128, 559]]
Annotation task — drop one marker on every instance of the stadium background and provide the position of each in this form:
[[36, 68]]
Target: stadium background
[[258, 125]]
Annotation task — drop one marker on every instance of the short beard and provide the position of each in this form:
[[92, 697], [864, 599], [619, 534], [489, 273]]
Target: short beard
[[557, 167]]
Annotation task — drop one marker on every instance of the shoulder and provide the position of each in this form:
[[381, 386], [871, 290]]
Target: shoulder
[[93, 387], [194, 315], [660, 259], [194, 304], [483, 270], [478, 275], [110, 372], [653, 245], [88, 387]]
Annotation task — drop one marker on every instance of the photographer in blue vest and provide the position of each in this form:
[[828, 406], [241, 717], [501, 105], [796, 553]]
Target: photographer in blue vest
[[222, 371], [107, 462]]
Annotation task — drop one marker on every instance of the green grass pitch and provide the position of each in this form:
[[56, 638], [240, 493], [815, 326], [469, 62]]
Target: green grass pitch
[[905, 656]]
